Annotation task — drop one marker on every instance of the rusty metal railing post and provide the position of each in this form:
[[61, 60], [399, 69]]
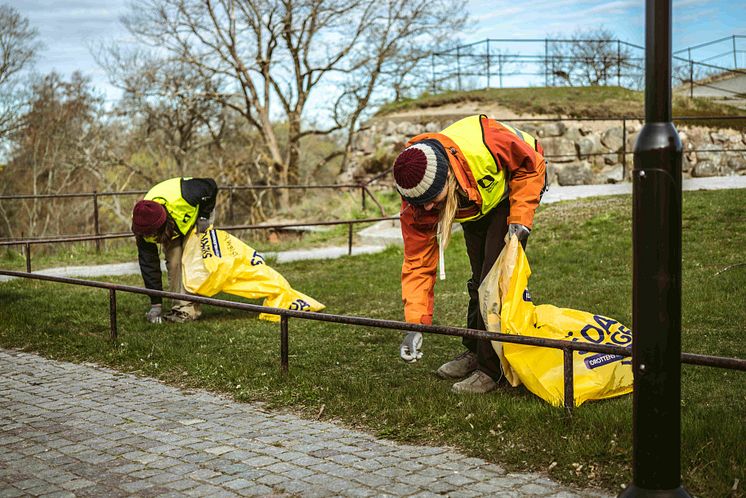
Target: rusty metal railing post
[[735, 54], [27, 250], [691, 77], [362, 196], [96, 228], [488, 62], [458, 66], [432, 72], [284, 344], [624, 149], [230, 205], [546, 62], [569, 380], [113, 315], [349, 239], [618, 63]]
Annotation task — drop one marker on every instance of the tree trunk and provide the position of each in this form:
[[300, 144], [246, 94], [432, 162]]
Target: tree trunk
[[293, 156]]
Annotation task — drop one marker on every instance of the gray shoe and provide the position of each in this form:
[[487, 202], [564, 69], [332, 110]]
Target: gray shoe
[[178, 316], [459, 367], [478, 383]]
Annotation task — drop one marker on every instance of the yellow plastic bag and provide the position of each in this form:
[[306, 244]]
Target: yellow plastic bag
[[507, 306], [217, 261]]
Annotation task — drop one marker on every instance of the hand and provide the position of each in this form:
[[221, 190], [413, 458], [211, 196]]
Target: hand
[[202, 225], [517, 229], [410, 347], [154, 315]]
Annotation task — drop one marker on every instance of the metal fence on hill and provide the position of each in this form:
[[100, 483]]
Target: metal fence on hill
[[549, 62]]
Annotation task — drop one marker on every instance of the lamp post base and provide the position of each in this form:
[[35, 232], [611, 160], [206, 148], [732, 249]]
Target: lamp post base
[[633, 491]]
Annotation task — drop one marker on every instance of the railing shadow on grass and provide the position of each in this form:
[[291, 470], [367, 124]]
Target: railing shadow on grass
[[567, 347]]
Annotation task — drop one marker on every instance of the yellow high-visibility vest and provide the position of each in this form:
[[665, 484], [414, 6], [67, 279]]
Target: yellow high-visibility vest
[[468, 135], [168, 194]]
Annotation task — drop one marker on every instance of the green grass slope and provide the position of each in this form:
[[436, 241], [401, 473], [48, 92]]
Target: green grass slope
[[574, 102]]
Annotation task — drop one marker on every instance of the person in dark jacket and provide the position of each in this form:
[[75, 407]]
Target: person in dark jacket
[[167, 214]]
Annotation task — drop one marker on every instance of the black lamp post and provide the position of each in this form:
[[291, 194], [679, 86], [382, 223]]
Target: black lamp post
[[656, 286]]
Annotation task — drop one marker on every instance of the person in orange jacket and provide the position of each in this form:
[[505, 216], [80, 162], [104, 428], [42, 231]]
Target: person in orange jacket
[[490, 177]]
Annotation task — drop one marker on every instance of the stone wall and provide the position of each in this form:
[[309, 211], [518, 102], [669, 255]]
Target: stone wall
[[578, 152]]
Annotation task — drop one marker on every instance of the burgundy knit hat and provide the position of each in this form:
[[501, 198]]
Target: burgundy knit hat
[[147, 217], [421, 171]]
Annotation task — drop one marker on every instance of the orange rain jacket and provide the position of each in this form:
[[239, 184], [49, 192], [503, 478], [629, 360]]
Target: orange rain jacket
[[524, 168]]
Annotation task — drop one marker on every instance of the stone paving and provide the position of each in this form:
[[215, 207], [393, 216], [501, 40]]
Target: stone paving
[[81, 430]]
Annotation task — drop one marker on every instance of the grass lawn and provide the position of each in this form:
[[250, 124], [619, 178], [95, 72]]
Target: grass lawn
[[575, 102], [581, 258]]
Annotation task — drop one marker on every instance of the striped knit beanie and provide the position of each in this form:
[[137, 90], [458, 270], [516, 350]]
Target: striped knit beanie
[[421, 171]]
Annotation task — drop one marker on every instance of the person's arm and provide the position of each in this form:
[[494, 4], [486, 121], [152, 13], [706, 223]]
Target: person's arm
[[200, 192], [150, 267], [525, 169], [420, 264]]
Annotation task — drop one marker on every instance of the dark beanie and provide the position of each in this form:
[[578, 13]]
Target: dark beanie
[[421, 171], [147, 217]]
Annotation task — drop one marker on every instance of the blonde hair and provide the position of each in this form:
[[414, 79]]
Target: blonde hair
[[448, 213]]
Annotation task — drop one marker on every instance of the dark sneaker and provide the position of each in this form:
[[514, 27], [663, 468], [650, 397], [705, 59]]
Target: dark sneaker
[[176, 316], [478, 383], [459, 367]]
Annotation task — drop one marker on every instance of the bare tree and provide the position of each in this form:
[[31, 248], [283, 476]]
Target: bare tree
[[274, 55], [18, 46], [62, 145], [589, 58], [385, 67], [172, 105]]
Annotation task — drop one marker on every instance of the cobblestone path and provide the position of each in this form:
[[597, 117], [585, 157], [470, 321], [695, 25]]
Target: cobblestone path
[[81, 430]]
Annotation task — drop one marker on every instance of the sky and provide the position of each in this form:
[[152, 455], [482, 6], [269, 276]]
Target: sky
[[72, 29], [694, 21]]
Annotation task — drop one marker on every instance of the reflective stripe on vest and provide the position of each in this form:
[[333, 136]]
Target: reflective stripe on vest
[[468, 134], [168, 194], [526, 137], [469, 137]]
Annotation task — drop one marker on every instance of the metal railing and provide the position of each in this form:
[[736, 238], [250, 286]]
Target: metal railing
[[95, 195], [27, 243], [567, 347], [503, 63], [506, 62]]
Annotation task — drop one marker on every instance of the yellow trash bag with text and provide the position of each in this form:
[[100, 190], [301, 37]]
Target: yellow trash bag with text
[[216, 261], [507, 307]]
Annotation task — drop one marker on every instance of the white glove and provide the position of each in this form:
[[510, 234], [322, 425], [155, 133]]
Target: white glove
[[154, 314], [517, 229], [410, 347]]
